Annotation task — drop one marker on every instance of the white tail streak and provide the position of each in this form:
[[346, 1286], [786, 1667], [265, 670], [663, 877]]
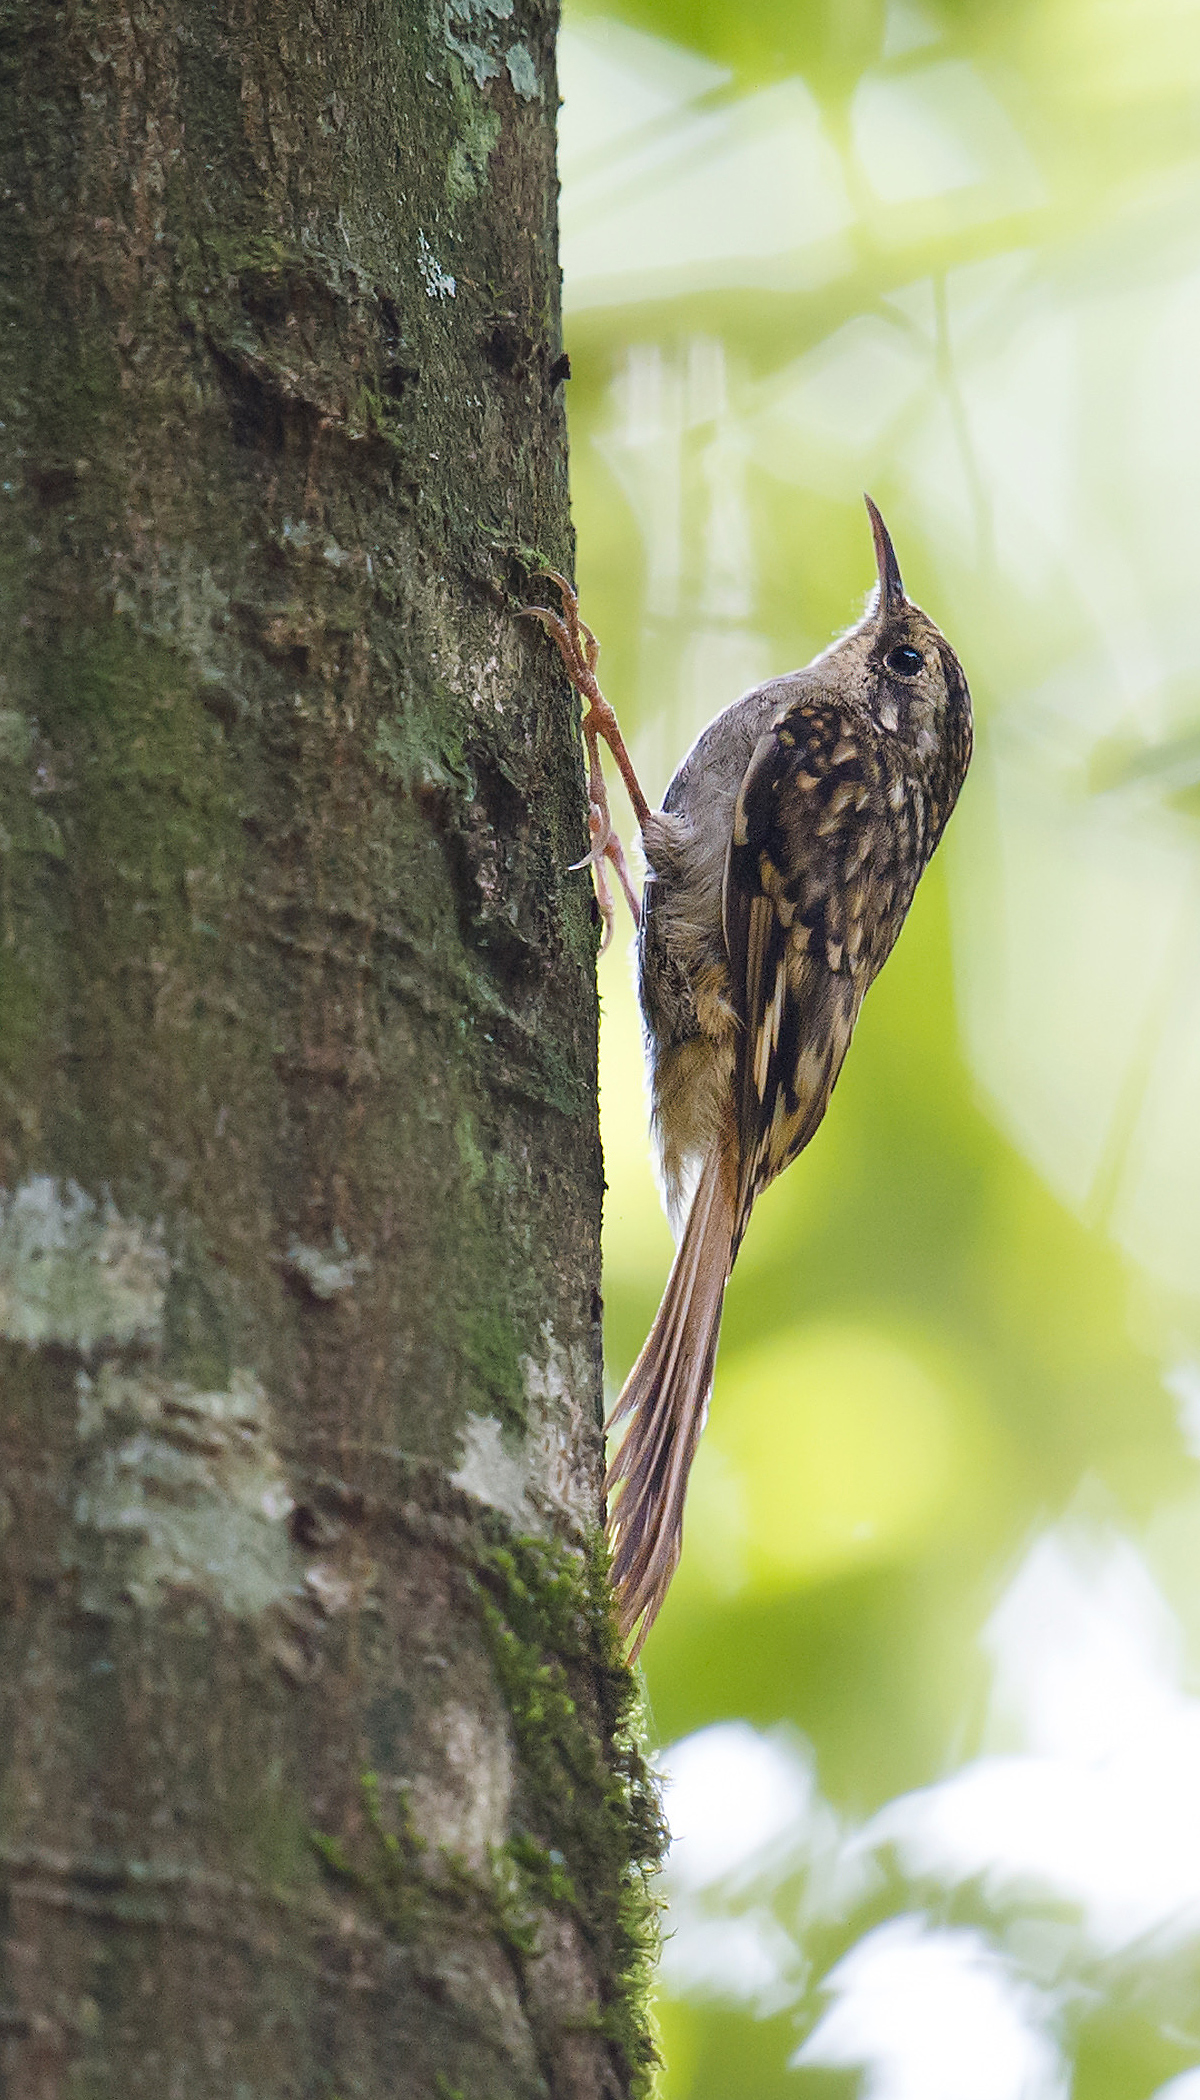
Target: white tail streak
[[665, 1400]]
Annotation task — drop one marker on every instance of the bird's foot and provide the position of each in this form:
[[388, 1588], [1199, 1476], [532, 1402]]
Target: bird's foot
[[580, 652], [606, 846]]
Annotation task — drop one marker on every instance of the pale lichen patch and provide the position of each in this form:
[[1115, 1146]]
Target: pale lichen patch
[[75, 1273], [462, 1797], [438, 282], [495, 1472], [471, 33], [188, 1484], [327, 1271], [523, 73], [551, 1473], [330, 1592], [564, 1427]]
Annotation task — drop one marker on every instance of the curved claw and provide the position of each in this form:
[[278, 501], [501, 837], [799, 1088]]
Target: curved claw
[[607, 846], [615, 852], [604, 899]]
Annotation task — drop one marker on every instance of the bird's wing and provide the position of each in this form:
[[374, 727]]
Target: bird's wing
[[805, 832]]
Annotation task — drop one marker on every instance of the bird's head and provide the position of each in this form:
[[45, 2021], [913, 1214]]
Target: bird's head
[[912, 677]]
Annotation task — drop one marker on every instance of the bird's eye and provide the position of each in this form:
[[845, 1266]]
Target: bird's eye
[[904, 661]]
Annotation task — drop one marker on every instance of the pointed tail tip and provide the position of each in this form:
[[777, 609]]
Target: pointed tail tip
[[643, 1566], [636, 1616], [635, 1647]]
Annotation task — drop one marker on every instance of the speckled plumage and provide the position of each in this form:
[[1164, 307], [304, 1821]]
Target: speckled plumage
[[782, 865]]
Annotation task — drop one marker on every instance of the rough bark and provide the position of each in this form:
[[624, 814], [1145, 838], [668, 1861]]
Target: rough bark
[[314, 1772]]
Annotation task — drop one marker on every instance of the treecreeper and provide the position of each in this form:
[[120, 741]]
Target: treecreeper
[[780, 868]]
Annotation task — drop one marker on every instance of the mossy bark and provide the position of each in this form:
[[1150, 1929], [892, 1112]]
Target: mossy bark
[[313, 1773]]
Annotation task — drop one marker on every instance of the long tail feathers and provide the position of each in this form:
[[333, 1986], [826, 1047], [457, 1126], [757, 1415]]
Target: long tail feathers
[[665, 1400]]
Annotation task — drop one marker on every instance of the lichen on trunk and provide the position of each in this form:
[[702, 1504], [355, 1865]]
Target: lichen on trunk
[[317, 1765]]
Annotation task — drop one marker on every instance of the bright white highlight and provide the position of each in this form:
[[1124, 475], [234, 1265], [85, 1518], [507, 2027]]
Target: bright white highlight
[[1085, 1799], [1102, 1809], [730, 1795], [1182, 1382], [746, 1815], [936, 2016]]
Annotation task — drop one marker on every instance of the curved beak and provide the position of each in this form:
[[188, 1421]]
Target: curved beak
[[891, 589]]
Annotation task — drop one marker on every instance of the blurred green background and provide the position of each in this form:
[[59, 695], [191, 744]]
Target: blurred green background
[[926, 1684]]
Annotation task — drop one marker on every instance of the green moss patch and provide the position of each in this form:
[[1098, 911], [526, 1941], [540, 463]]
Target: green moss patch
[[547, 1615]]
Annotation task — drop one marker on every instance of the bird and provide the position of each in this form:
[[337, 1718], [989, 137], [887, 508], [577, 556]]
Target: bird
[[780, 869]]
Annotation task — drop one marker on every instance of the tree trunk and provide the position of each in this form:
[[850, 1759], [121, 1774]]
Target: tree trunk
[[316, 1778]]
